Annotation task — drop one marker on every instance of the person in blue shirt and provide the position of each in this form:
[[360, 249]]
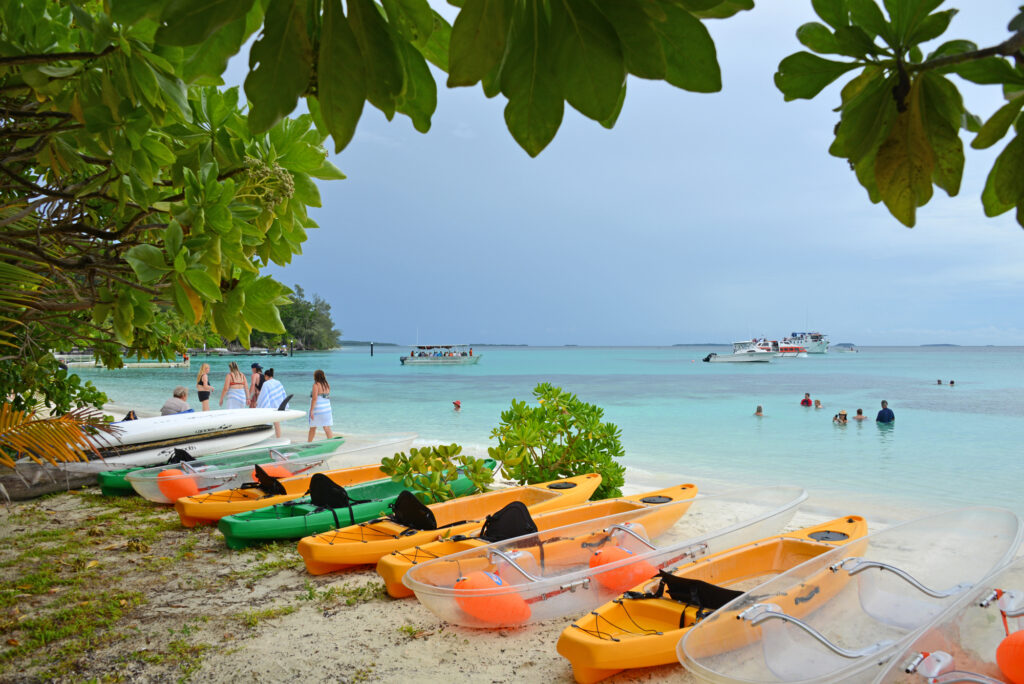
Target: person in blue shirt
[[885, 415]]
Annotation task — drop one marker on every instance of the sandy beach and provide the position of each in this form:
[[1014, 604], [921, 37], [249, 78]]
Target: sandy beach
[[115, 589]]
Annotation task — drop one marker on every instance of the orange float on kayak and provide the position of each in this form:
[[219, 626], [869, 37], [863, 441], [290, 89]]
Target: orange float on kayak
[[173, 484], [278, 471], [1010, 657], [621, 579], [494, 608]]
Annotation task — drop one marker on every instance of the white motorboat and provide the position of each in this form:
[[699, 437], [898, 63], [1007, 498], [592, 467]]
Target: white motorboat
[[440, 355], [742, 352], [779, 349]]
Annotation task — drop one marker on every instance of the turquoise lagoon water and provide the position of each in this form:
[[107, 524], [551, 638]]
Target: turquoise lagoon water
[[683, 420]]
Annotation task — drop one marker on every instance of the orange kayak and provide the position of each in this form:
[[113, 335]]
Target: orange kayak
[[634, 631], [393, 566], [365, 543], [211, 507]]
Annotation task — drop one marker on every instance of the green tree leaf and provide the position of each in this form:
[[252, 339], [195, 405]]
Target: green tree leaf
[[817, 37], [190, 22], [905, 161], [341, 76], [989, 70], [723, 10], [535, 106], [1004, 187], [203, 284], [865, 119], [280, 63], [413, 19], [208, 60], [588, 62], [419, 98], [147, 261], [853, 41], [993, 130], [906, 16], [384, 73], [931, 27], [952, 47], [867, 15], [942, 113], [478, 40], [832, 12], [639, 42], [692, 62], [803, 75]]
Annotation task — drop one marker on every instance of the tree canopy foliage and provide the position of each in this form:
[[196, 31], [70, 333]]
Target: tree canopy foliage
[[308, 324], [139, 200]]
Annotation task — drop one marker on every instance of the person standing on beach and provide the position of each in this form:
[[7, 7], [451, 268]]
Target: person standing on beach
[[320, 406], [271, 395], [236, 388], [885, 415], [257, 384], [806, 401], [203, 386]]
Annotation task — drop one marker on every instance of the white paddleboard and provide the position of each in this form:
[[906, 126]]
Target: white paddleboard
[[160, 428], [195, 446]]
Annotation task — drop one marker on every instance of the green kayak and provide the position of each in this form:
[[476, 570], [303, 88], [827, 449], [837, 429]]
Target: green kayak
[[112, 482], [328, 506]]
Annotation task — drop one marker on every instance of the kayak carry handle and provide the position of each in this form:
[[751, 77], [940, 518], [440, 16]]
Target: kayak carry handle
[[760, 612], [630, 532], [859, 565], [508, 559]]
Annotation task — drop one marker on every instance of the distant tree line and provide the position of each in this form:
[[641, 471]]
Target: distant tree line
[[307, 323]]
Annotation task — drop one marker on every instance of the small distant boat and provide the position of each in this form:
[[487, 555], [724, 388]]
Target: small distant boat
[[742, 352], [813, 342], [440, 355]]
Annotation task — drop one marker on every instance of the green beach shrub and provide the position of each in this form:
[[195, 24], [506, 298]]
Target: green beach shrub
[[560, 437], [430, 471]]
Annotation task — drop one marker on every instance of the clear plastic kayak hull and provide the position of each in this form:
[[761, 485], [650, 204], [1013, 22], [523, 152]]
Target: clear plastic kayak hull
[[565, 570], [964, 641], [843, 616], [168, 483]]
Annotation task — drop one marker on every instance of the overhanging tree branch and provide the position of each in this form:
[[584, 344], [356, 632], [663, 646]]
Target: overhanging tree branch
[[1008, 48]]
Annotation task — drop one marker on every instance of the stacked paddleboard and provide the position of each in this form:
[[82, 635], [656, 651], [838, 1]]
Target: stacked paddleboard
[[148, 441]]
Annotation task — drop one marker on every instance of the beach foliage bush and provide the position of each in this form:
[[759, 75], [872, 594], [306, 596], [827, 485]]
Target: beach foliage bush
[[429, 471], [560, 437]]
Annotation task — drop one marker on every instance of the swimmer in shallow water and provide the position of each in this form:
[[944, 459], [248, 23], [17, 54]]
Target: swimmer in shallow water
[[758, 412], [860, 415]]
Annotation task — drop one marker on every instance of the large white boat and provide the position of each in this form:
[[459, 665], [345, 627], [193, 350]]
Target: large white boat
[[814, 342], [742, 352], [440, 355]]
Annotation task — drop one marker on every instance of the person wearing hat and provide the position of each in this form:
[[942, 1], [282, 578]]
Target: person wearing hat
[[457, 404], [257, 384], [840, 418]]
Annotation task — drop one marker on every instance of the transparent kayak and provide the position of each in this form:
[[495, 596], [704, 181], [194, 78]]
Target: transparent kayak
[[565, 570], [978, 641], [843, 616], [168, 483]]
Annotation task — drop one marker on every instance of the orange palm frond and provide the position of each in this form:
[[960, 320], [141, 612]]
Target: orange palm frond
[[71, 437]]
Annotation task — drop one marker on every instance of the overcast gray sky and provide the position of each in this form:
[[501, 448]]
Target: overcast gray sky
[[697, 218]]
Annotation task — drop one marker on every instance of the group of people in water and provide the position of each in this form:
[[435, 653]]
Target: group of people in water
[[260, 390], [885, 415]]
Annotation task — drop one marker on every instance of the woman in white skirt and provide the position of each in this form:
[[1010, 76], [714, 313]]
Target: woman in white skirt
[[236, 388], [320, 406], [271, 395]]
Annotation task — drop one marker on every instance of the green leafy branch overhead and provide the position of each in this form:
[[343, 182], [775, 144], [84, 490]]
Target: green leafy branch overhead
[[901, 115]]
